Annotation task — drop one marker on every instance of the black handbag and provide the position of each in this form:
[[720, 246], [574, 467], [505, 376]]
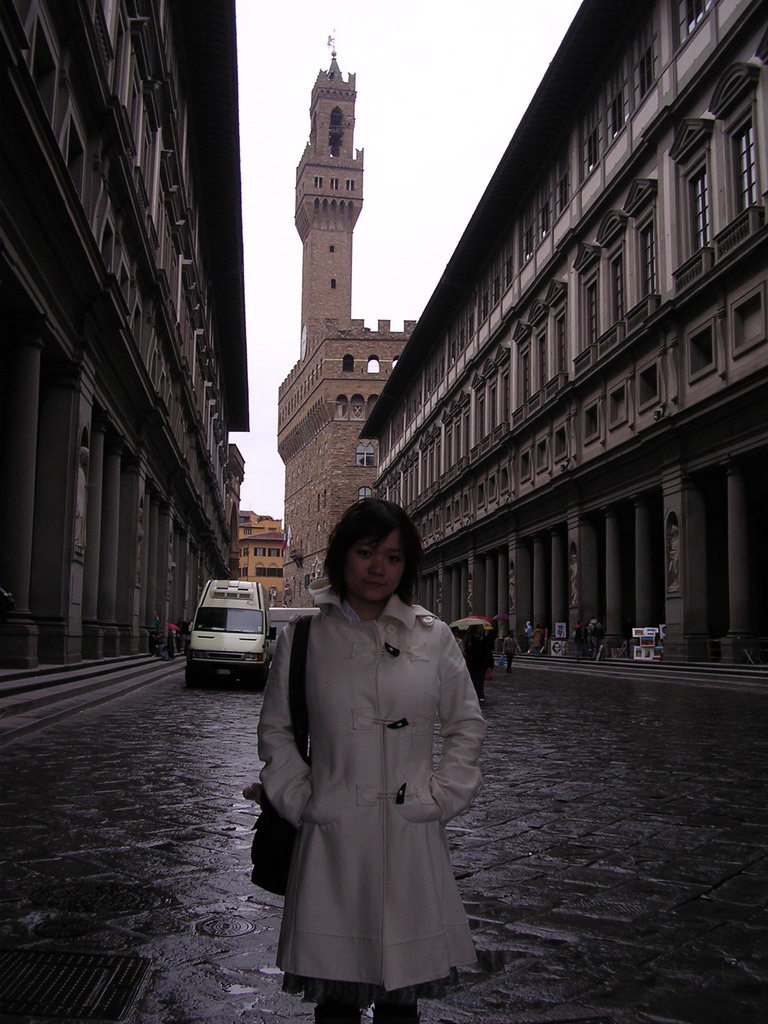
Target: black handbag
[[274, 837]]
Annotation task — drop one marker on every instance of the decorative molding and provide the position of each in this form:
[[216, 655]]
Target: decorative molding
[[693, 134], [735, 85], [642, 191], [586, 256], [613, 224]]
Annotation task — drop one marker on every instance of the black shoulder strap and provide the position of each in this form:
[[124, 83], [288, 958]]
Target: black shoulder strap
[[297, 696]]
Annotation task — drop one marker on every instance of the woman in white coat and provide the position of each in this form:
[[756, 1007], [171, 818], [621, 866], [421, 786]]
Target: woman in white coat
[[372, 912]]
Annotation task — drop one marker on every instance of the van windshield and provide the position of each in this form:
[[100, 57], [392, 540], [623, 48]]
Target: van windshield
[[230, 620]]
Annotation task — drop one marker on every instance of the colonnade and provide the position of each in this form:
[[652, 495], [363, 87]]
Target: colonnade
[[649, 559], [92, 549]]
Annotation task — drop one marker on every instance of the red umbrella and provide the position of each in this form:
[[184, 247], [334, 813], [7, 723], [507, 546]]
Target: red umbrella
[[173, 626]]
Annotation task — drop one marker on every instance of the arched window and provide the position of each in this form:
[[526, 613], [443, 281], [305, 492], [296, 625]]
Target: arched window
[[342, 408], [373, 364], [364, 455], [364, 492], [358, 407], [348, 363]]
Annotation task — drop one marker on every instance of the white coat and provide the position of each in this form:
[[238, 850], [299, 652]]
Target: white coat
[[371, 895]]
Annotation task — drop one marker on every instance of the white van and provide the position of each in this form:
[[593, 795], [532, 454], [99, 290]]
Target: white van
[[229, 633], [278, 620]]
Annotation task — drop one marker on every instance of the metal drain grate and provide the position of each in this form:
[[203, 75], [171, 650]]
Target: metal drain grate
[[80, 985]]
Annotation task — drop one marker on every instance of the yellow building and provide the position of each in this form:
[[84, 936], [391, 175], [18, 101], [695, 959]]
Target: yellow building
[[261, 553]]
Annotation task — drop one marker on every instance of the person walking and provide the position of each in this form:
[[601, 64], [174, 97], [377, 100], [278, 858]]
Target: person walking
[[372, 912], [508, 649], [479, 658]]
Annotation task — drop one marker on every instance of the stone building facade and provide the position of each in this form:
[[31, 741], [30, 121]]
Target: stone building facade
[[343, 365], [260, 540], [578, 421], [122, 356]]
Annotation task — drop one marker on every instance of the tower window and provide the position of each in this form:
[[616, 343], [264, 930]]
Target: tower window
[[318, 182], [348, 363], [364, 455], [335, 132], [350, 184], [333, 282], [334, 183], [331, 248], [373, 364]]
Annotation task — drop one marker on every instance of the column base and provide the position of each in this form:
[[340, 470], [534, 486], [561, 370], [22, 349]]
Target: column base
[[93, 641], [733, 646], [694, 648], [111, 642], [55, 646], [18, 643], [129, 644]]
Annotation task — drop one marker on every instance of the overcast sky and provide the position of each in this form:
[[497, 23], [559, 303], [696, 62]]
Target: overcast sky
[[441, 87]]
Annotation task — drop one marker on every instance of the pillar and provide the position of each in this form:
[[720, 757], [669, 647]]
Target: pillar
[[110, 535], [588, 586], [502, 589], [643, 565], [739, 624], [477, 605], [491, 587], [92, 646], [17, 474], [557, 579], [539, 582], [613, 611]]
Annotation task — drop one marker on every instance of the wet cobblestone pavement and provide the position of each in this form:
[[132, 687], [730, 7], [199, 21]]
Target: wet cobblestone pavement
[[615, 865]]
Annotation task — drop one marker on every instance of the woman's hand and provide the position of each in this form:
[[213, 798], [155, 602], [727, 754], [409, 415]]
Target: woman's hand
[[253, 792]]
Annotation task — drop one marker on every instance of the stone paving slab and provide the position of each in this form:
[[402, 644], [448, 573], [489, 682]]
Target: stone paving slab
[[614, 866]]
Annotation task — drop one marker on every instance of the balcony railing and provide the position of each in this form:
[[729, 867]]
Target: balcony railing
[[739, 230], [584, 359], [612, 338], [637, 316], [697, 266]]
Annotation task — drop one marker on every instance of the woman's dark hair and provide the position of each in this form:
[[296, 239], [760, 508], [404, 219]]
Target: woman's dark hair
[[374, 519]]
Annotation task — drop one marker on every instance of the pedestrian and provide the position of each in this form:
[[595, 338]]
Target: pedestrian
[[372, 912], [594, 638], [577, 635], [538, 639], [508, 649], [478, 655]]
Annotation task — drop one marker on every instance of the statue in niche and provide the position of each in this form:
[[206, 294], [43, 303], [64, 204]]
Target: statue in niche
[[673, 556], [139, 542], [469, 594], [81, 499], [573, 577], [512, 587]]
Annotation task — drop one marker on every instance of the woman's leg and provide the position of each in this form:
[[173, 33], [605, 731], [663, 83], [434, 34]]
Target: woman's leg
[[391, 1013], [332, 1012]]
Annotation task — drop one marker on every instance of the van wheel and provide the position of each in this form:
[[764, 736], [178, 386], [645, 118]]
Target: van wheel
[[193, 676]]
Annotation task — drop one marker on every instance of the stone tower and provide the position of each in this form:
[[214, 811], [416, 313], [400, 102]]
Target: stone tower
[[329, 197], [342, 366]]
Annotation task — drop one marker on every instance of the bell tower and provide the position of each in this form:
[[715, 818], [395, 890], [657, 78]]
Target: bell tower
[[329, 197], [343, 365]]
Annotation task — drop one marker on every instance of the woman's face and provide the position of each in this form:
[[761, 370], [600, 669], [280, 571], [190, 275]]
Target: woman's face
[[372, 573]]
